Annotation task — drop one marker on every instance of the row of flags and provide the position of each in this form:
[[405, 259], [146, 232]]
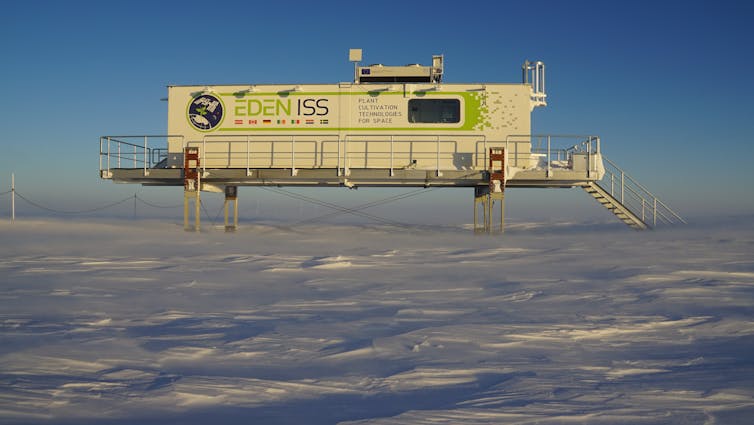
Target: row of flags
[[294, 122]]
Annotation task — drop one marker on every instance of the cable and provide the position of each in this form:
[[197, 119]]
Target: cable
[[206, 213], [6, 192], [328, 205], [217, 216], [30, 202], [155, 205], [370, 204], [335, 207]]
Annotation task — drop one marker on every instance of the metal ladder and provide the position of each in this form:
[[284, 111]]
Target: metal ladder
[[631, 202]]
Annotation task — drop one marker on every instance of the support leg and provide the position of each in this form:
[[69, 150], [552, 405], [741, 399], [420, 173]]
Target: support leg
[[188, 197], [197, 211], [482, 199], [502, 212], [231, 196], [487, 199], [498, 197], [191, 186]]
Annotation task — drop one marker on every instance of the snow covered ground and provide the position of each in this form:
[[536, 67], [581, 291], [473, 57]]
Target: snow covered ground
[[140, 322]]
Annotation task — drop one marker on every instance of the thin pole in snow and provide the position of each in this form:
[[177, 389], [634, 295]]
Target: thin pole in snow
[[12, 198]]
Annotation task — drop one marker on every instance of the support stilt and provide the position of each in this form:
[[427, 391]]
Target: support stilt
[[231, 196], [486, 199], [191, 188], [481, 197], [487, 195], [189, 196]]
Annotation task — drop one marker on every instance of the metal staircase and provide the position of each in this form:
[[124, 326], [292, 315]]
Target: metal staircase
[[631, 202]]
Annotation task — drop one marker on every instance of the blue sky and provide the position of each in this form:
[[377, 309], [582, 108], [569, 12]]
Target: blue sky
[[666, 84]]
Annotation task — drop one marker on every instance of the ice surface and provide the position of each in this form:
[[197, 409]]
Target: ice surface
[[140, 322]]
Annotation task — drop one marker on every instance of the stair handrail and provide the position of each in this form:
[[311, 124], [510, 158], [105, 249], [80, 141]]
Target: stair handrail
[[634, 199], [647, 194]]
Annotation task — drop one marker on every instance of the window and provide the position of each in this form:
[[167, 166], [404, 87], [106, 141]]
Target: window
[[436, 111]]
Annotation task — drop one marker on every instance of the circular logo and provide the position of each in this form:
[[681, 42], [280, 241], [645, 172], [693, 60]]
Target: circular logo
[[205, 112]]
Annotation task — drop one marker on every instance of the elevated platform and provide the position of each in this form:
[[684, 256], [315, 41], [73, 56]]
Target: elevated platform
[[223, 165], [328, 177], [361, 160]]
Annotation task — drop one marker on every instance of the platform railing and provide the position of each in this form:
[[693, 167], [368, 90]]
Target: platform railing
[[551, 151], [637, 198], [392, 151], [264, 151], [440, 149], [133, 152], [343, 151]]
